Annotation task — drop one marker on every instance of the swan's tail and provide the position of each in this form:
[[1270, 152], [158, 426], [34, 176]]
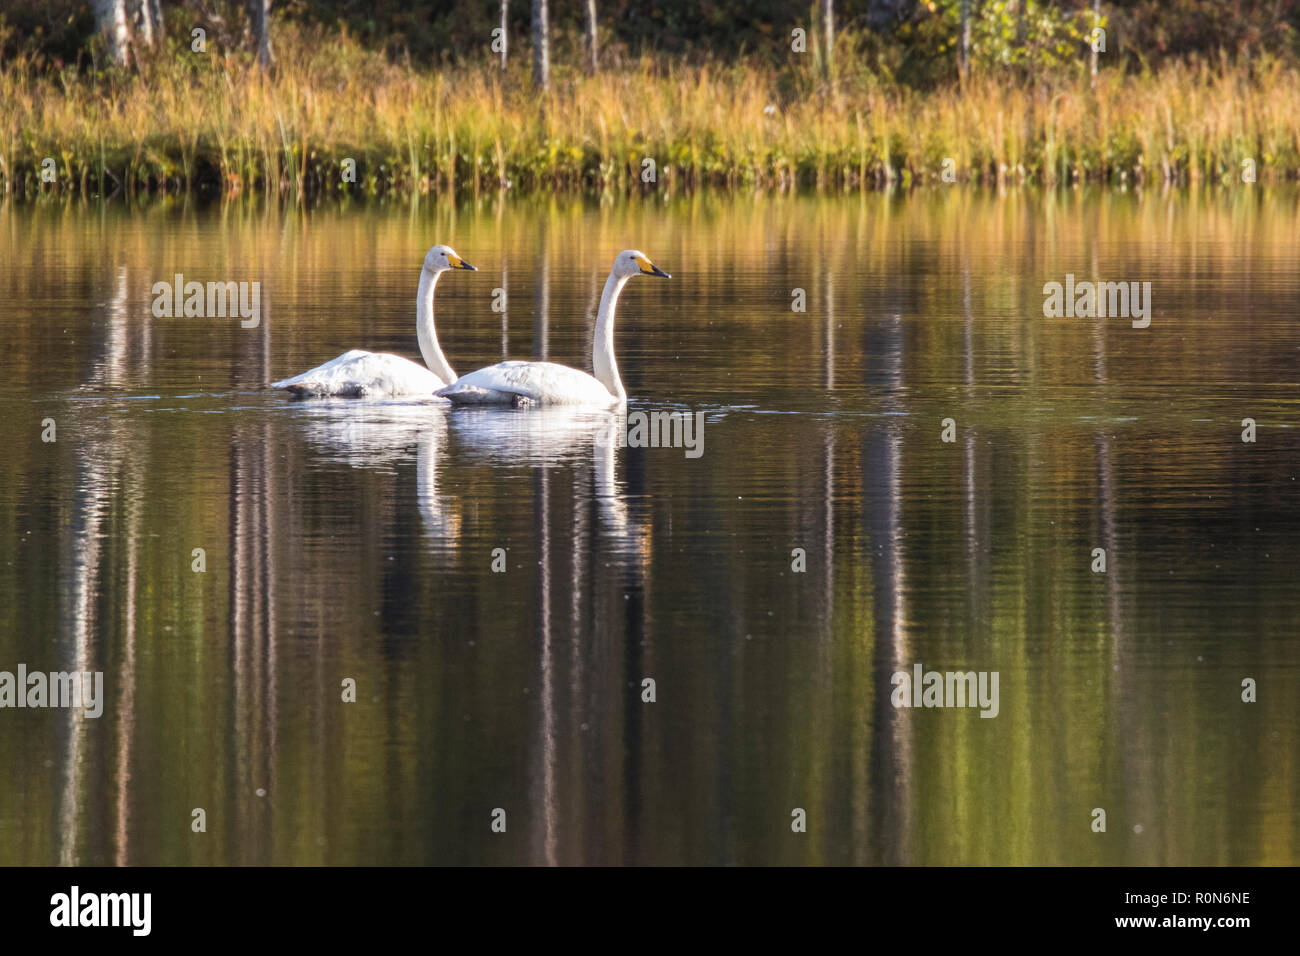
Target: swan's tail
[[319, 389]]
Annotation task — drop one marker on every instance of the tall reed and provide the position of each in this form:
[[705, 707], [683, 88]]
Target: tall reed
[[214, 122]]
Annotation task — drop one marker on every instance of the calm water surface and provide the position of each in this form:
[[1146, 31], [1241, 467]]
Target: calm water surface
[[355, 540]]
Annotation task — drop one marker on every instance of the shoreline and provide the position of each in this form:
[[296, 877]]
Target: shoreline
[[196, 200], [338, 120]]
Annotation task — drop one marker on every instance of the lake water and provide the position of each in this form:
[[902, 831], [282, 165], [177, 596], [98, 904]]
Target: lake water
[[827, 537]]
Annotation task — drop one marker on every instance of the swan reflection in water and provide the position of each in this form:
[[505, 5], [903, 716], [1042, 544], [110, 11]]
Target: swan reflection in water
[[386, 434], [552, 435], [591, 576]]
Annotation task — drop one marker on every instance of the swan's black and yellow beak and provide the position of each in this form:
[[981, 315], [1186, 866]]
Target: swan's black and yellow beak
[[648, 268], [459, 263]]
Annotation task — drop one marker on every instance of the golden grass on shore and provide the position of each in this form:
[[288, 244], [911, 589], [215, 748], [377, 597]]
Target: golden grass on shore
[[204, 121]]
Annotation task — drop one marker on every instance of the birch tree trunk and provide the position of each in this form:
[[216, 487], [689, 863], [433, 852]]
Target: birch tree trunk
[[1096, 21], [541, 47], [593, 50], [259, 13], [110, 20], [828, 24], [505, 31], [153, 13], [144, 32], [963, 64]]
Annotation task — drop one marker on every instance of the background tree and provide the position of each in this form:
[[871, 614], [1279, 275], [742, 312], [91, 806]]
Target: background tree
[[593, 53], [541, 47], [110, 20], [259, 15], [828, 24], [153, 11], [1096, 22], [144, 23], [505, 31], [905, 42], [963, 62]]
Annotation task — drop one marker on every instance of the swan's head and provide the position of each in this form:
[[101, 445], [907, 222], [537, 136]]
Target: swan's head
[[442, 258], [629, 263]]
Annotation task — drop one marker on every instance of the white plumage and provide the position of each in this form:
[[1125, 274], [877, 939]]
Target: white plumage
[[361, 374], [546, 383], [536, 383]]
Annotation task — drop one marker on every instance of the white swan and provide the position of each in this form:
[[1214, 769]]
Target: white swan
[[359, 373], [545, 383]]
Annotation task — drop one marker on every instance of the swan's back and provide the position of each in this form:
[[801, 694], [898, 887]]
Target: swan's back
[[541, 383], [362, 374]]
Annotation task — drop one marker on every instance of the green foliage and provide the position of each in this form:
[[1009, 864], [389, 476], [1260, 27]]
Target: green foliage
[[914, 42], [1029, 34]]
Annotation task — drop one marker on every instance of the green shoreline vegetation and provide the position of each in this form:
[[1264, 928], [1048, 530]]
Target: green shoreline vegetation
[[177, 121]]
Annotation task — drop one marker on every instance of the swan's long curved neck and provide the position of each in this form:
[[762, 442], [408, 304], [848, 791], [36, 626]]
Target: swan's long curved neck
[[425, 331], [602, 348]]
